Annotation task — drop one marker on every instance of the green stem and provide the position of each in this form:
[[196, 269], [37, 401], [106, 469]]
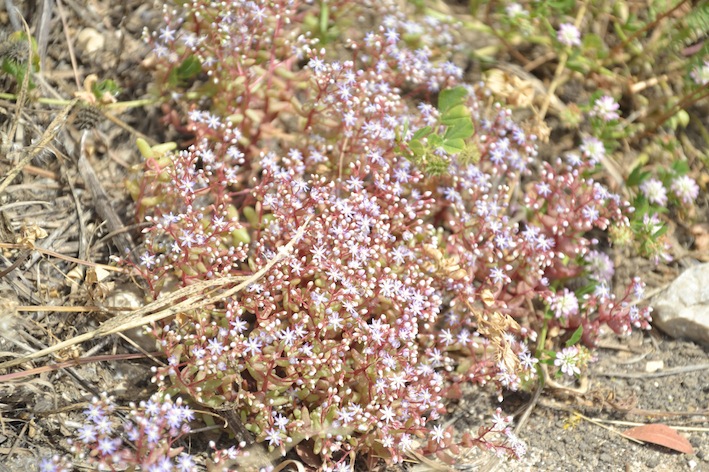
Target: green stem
[[133, 103], [62, 102], [324, 18], [46, 101], [539, 351], [542, 340], [646, 28]]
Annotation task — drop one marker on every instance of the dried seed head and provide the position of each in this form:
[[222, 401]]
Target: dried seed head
[[88, 117], [8, 310], [16, 51]]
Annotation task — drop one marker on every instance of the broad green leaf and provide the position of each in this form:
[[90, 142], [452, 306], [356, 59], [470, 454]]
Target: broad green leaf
[[462, 130], [580, 64], [449, 98], [455, 114], [575, 337], [213, 401], [422, 133], [454, 146], [435, 141], [417, 148], [641, 206], [594, 44], [105, 86], [564, 6], [186, 71], [680, 167], [636, 177]]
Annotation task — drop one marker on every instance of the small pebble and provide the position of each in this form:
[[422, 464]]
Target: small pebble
[[652, 462]]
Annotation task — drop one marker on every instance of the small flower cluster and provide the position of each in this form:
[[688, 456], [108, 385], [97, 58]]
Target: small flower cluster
[[700, 74], [582, 51], [605, 108], [668, 188], [145, 439], [571, 360], [685, 189], [406, 282], [55, 463], [569, 35]]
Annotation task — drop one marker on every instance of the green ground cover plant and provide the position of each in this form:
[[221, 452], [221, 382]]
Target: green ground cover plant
[[432, 244]]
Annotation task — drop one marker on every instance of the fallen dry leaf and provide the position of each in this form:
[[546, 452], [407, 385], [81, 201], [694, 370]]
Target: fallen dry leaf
[[662, 435]]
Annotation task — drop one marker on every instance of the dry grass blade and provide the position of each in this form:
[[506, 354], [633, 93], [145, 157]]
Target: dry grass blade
[[614, 431], [71, 363], [102, 202], [290, 463], [43, 29], [424, 464], [188, 298], [49, 252]]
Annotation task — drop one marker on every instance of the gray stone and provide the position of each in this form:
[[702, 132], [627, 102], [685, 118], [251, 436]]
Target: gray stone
[[682, 310]]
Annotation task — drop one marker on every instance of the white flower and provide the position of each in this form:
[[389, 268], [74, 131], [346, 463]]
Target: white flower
[[700, 74], [438, 434], [568, 35], [565, 304], [654, 191], [685, 188], [567, 360], [605, 108]]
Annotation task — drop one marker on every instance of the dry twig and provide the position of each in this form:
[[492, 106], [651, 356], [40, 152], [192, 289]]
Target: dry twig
[[192, 297]]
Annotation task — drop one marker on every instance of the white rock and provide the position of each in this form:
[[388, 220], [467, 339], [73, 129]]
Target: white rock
[[682, 310], [654, 366], [89, 41]]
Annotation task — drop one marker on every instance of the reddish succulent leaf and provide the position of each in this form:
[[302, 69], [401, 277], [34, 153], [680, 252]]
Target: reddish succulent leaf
[[662, 435]]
